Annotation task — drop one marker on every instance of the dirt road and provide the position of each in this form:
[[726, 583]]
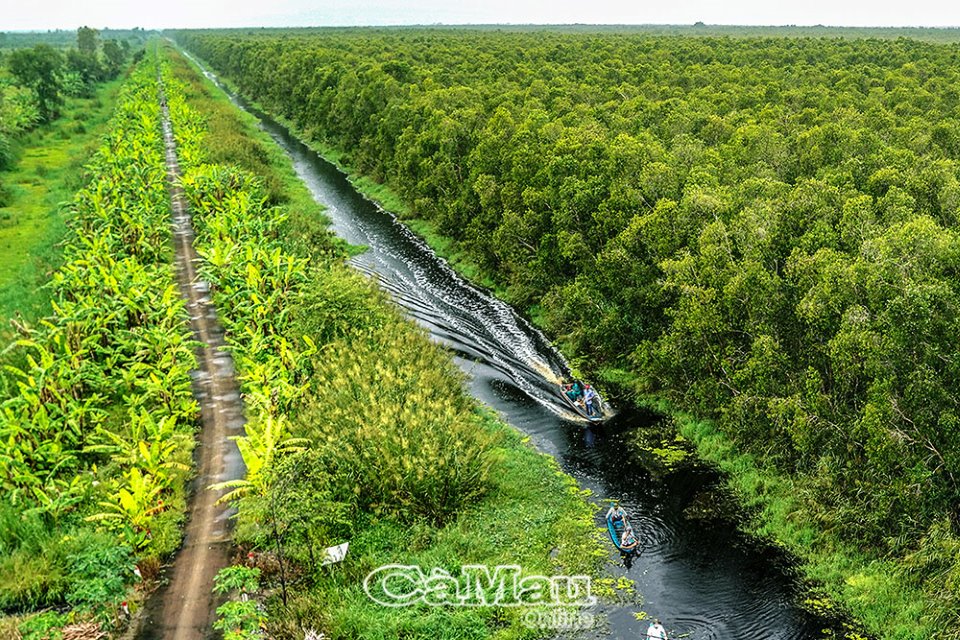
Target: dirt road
[[184, 608]]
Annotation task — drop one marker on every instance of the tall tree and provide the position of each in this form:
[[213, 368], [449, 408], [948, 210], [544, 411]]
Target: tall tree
[[39, 68], [87, 40], [113, 55]]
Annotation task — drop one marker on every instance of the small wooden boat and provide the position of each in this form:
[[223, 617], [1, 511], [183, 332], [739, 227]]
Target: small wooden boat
[[598, 415], [616, 529]]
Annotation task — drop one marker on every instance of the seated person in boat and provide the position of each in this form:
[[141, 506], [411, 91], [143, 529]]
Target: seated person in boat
[[629, 541], [616, 514], [656, 631], [574, 391]]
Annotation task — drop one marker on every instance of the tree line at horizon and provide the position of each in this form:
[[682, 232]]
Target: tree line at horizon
[[763, 231]]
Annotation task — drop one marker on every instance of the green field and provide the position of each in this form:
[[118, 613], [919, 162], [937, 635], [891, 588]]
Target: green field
[[45, 177]]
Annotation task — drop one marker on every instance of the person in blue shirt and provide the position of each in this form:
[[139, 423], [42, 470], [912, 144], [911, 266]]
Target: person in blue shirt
[[591, 401]]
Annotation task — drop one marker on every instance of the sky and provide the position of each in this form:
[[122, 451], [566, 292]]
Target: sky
[[150, 14]]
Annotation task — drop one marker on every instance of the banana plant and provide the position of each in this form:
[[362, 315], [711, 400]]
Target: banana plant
[[137, 501], [151, 445], [114, 356], [253, 281], [264, 442]]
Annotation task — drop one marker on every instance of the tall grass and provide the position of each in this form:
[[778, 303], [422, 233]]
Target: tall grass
[[43, 565], [389, 411]]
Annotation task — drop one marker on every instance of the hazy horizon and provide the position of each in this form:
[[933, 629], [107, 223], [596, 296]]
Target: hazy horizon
[[66, 14], [489, 24]]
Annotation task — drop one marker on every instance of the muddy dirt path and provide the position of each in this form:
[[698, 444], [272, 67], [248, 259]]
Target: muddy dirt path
[[184, 609]]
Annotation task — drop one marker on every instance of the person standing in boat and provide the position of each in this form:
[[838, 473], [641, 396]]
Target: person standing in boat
[[591, 400]]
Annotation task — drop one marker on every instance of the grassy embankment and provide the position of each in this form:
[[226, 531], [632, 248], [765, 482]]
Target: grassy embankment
[[47, 174], [868, 587], [383, 407]]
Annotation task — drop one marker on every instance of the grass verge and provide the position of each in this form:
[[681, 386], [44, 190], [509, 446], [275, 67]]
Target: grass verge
[[47, 174]]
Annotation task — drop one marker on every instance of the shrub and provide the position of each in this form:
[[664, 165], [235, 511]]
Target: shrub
[[6, 153], [243, 618], [45, 626], [338, 304], [395, 428], [98, 572]]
